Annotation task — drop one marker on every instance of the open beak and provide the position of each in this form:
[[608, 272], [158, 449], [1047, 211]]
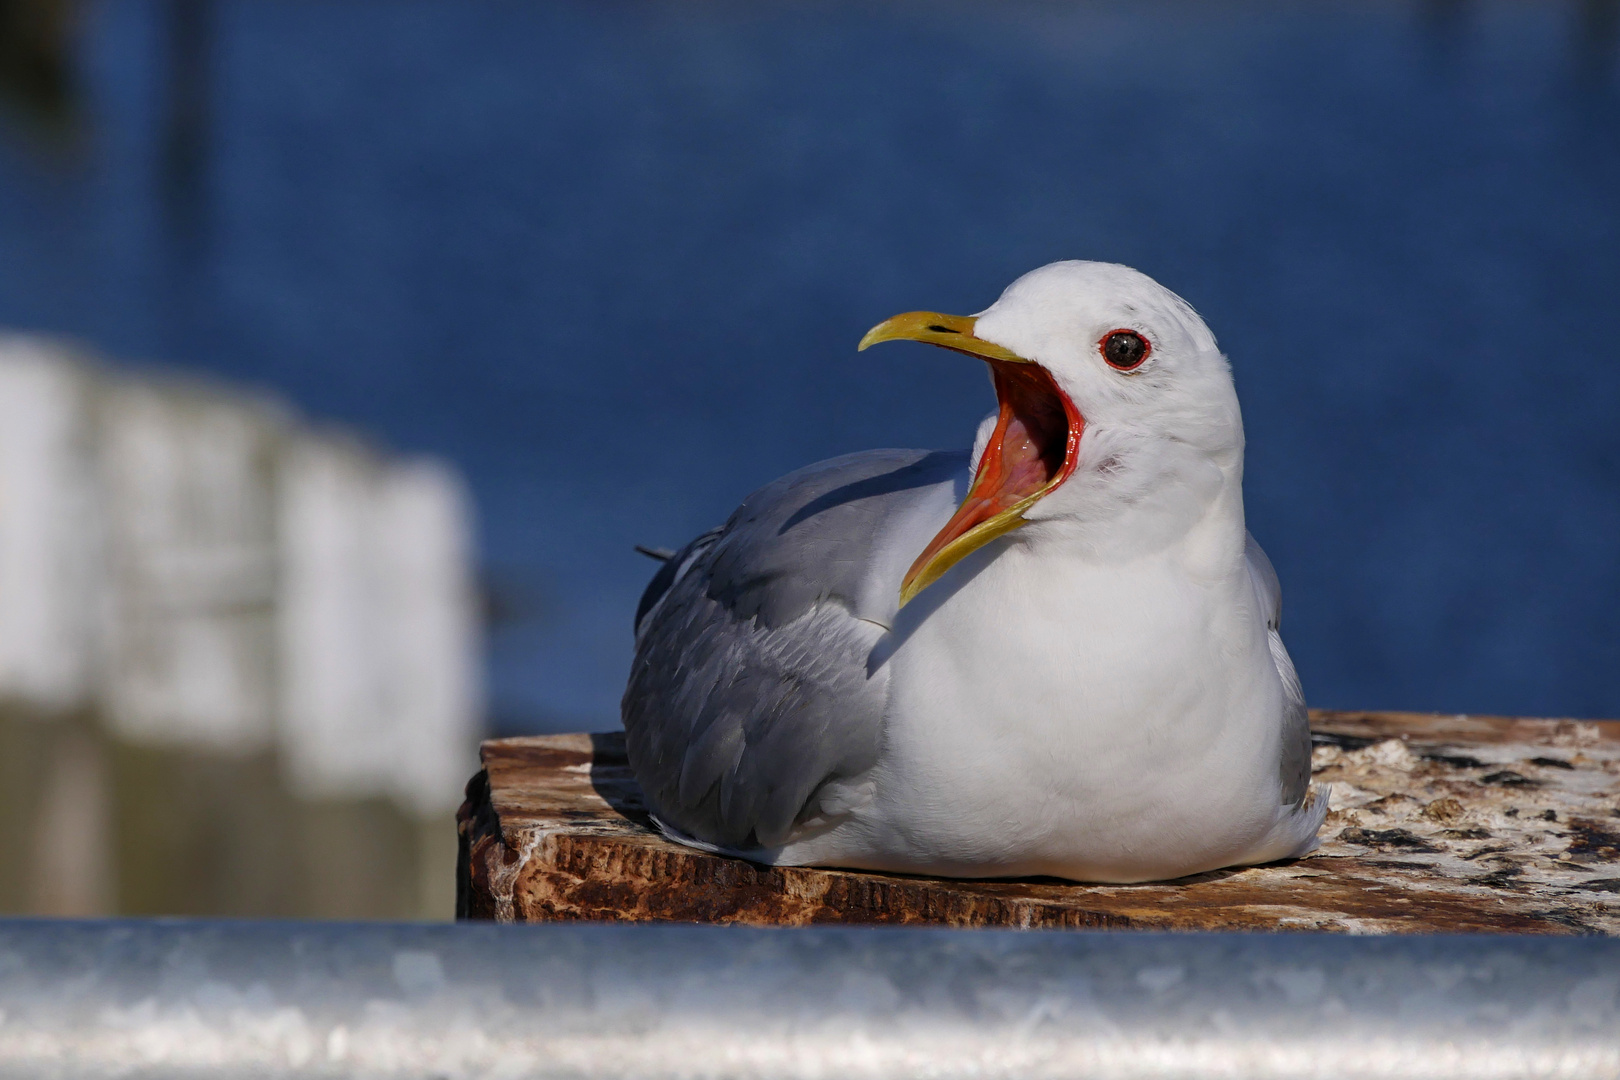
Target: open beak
[[1033, 449]]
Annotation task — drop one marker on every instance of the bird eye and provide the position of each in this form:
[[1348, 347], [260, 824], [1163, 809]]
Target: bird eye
[[1125, 349]]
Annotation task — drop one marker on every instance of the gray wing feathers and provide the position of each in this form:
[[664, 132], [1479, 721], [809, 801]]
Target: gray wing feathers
[[673, 568], [749, 691], [1295, 765], [824, 532], [1295, 768]]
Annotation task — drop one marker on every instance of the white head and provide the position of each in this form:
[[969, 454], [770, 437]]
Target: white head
[[1117, 419]]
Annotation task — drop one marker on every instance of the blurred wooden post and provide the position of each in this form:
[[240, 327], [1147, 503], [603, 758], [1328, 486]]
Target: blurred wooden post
[[54, 845], [1441, 824], [238, 658], [381, 701], [187, 476]]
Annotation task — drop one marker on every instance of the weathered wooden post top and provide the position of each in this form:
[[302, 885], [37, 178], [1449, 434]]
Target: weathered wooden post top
[[1438, 823]]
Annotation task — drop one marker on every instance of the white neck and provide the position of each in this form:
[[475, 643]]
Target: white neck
[[1132, 496]]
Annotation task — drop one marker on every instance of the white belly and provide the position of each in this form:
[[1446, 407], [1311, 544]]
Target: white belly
[[1106, 723]]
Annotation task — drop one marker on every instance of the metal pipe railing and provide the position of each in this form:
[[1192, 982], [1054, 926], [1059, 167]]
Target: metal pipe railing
[[268, 999]]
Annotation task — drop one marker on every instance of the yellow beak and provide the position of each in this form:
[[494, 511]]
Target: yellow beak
[[949, 331], [1032, 450]]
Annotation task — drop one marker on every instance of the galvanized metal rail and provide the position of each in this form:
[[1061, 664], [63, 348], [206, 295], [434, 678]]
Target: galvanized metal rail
[[239, 999]]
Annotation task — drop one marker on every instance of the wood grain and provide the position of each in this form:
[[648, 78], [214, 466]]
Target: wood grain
[[1438, 823]]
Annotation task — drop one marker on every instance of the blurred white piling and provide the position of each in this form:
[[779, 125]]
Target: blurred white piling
[[377, 627], [378, 633], [49, 555], [188, 494], [258, 624], [54, 841], [430, 623]]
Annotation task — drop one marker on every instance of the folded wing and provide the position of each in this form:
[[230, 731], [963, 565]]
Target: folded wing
[[751, 712], [1295, 766]]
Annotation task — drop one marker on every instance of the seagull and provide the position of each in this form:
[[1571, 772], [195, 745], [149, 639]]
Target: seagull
[[1056, 654]]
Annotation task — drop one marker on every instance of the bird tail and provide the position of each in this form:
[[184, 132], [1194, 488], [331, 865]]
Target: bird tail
[[754, 855], [1294, 833], [1306, 820]]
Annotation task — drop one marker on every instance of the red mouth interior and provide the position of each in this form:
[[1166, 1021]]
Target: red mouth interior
[[1032, 449]]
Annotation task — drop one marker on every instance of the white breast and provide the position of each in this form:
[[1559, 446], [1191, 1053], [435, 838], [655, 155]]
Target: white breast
[[1048, 715]]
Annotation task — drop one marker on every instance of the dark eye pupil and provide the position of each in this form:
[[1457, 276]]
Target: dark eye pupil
[[1124, 349]]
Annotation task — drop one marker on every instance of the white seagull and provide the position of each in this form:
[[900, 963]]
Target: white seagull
[[1058, 654]]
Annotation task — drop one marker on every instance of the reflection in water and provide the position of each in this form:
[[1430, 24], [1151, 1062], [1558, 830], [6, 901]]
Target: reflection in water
[[1444, 22], [613, 260], [190, 113], [1597, 39], [1595, 33], [35, 61]]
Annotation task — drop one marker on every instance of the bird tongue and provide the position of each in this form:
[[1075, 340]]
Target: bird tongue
[[1031, 451]]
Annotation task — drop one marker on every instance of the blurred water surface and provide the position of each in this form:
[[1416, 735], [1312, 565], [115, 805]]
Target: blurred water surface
[[612, 257]]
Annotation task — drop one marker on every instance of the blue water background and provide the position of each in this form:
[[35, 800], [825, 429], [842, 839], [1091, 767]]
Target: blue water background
[[612, 258]]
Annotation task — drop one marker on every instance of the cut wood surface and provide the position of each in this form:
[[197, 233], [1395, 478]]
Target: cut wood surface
[[1438, 823]]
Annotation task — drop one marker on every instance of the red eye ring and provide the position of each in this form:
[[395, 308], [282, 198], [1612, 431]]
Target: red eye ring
[[1124, 350]]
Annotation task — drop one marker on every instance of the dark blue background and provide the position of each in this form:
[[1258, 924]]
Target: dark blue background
[[613, 257]]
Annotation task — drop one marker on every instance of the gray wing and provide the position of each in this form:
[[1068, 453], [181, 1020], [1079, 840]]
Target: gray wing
[[749, 698], [1295, 769]]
